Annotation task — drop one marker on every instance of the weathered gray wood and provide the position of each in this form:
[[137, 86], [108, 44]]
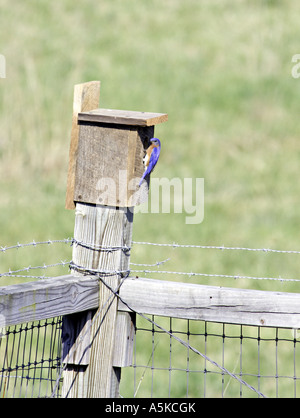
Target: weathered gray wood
[[74, 385], [123, 117], [47, 298], [110, 164], [67, 294], [210, 303], [105, 227], [124, 338], [86, 97]]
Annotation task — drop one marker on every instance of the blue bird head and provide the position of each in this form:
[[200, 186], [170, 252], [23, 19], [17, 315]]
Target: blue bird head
[[155, 141]]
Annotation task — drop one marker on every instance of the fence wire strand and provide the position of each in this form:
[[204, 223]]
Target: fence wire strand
[[35, 243], [72, 241], [225, 276], [216, 247]]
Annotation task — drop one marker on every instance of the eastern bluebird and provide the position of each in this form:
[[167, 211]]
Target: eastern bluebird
[[151, 158]]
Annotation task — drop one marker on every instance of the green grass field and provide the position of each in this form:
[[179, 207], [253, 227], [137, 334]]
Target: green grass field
[[222, 72]]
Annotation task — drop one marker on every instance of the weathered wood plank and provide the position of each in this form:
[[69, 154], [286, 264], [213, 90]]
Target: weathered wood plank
[[86, 97], [124, 337], [123, 117], [47, 298], [68, 294], [109, 165], [210, 303]]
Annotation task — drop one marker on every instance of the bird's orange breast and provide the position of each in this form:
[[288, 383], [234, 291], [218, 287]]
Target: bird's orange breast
[[148, 154]]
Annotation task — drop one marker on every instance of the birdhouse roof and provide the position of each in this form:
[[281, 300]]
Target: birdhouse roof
[[122, 117]]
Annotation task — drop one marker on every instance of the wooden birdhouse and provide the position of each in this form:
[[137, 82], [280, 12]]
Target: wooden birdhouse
[[109, 160]]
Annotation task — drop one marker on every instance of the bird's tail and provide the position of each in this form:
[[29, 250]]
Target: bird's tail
[[143, 178]]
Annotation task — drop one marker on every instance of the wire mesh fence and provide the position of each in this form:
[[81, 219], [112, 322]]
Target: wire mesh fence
[[264, 361], [30, 359]]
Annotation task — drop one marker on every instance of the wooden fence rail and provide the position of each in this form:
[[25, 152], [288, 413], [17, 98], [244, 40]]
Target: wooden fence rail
[[69, 294]]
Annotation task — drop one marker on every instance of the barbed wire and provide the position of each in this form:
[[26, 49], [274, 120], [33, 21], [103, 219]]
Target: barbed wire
[[174, 245], [216, 247], [13, 273], [97, 272], [35, 243], [156, 264], [73, 266], [94, 247], [227, 276], [72, 241]]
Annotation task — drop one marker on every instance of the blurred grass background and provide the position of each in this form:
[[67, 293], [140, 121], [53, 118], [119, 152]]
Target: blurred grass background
[[222, 72]]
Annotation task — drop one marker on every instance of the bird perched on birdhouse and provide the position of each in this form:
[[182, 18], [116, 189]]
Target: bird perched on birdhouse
[[151, 158]]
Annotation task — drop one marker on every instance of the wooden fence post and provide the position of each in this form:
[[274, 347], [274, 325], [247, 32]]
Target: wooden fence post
[[108, 166], [91, 372]]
